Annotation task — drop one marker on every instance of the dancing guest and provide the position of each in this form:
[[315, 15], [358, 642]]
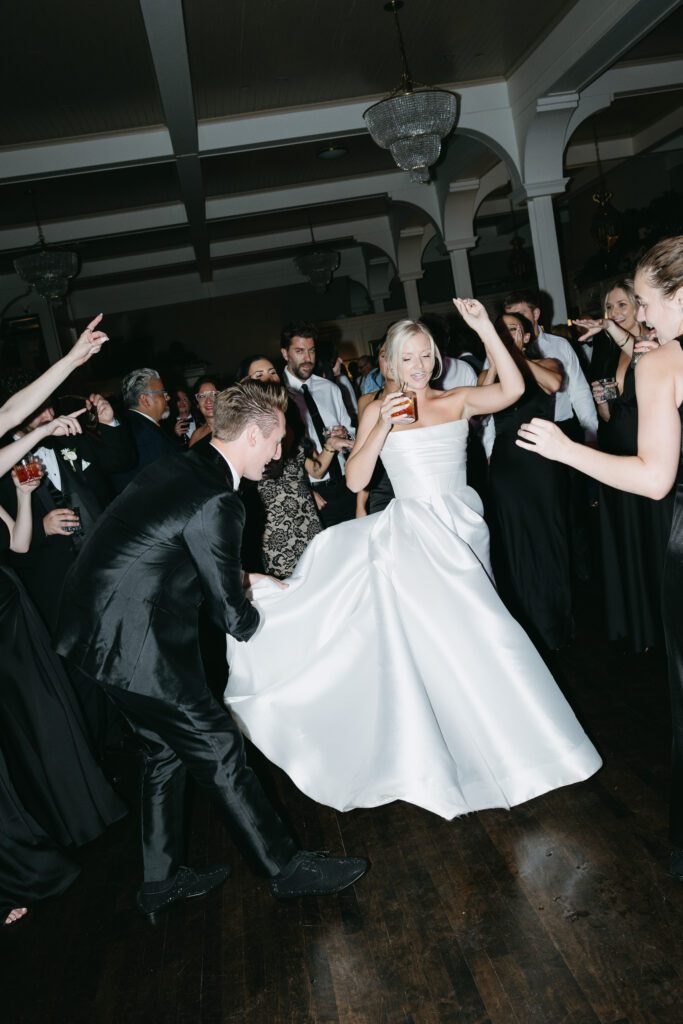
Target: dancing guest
[[286, 518], [652, 471], [324, 415], [146, 401], [416, 683], [529, 521], [52, 794], [634, 530], [207, 391], [77, 486], [168, 545], [185, 424]]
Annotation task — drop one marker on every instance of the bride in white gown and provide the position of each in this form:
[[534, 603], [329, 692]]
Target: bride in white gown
[[389, 669]]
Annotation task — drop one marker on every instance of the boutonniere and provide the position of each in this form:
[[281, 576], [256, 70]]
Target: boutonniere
[[69, 454]]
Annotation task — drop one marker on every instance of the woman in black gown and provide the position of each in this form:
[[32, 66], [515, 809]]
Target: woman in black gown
[[52, 794], [633, 530], [529, 501], [653, 471]]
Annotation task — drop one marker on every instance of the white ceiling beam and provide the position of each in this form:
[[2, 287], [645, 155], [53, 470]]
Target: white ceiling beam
[[586, 41], [481, 105], [165, 28]]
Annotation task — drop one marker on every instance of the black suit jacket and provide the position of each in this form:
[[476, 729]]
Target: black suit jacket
[[130, 606], [151, 443]]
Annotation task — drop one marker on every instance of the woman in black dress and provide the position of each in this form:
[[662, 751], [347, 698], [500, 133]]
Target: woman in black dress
[[528, 503], [633, 530], [52, 794], [652, 471]]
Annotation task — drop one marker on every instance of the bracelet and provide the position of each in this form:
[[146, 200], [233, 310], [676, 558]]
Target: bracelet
[[331, 451]]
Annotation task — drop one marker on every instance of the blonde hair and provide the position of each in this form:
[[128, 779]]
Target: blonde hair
[[663, 265], [626, 286], [397, 336], [250, 401]]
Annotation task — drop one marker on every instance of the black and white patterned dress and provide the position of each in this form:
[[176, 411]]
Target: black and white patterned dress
[[291, 518]]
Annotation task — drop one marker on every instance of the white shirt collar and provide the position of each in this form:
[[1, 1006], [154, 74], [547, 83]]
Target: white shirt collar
[[235, 475], [146, 416], [292, 382]]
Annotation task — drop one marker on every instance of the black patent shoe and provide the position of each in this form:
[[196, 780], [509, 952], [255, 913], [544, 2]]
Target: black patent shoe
[[187, 884], [676, 864], [316, 874]]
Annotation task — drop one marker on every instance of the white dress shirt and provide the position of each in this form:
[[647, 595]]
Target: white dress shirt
[[343, 382], [330, 403], [576, 395]]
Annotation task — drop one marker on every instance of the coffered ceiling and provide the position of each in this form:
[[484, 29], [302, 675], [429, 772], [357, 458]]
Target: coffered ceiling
[[114, 73]]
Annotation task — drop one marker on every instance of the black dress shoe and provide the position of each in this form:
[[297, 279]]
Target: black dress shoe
[[676, 864], [186, 885], [316, 874]]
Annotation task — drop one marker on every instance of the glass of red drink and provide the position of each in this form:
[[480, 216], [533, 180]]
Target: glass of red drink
[[407, 412], [28, 468]]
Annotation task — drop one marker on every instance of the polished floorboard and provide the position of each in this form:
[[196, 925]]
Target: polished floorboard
[[558, 912]]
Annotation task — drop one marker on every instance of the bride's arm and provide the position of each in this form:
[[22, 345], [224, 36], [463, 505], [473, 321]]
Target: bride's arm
[[375, 424], [488, 398]]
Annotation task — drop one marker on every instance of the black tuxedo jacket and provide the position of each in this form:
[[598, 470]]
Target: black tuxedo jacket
[[130, 605], [151, 442]]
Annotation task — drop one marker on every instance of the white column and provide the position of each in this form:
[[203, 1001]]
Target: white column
[[460, 265], [412, 295], [547, 252]]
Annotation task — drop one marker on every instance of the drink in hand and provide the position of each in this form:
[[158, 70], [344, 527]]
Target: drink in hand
[[406, 412]]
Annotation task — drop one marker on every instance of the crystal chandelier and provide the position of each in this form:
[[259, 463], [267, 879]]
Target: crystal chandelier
[[47, 270], [318, 265], [411, 122]]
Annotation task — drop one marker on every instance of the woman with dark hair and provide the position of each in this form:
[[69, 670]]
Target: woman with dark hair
[[206, 390], [529, 524], [284, 518]]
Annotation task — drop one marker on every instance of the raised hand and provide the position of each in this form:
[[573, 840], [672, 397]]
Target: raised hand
[[63, 426], [89, 343], [29, 486], [472, 311], [589, 327], [544, 438], [105, 413]]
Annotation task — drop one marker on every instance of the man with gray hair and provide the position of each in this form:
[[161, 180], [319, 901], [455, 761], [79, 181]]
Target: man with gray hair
[[146, 402]]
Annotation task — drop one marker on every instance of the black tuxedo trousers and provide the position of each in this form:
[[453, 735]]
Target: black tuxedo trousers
[[200, 739]]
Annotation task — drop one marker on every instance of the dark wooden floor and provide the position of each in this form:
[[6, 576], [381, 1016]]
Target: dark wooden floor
[[559, 911]]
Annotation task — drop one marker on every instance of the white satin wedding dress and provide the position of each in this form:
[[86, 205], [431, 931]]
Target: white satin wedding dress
[[390, 669]]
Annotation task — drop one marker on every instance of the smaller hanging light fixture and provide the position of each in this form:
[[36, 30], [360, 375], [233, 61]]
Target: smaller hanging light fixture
[[606, 221], [47, 270], [318, 265], [412, 120]]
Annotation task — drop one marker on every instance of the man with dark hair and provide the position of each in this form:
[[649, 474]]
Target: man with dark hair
[[129, 621], [322, 409]]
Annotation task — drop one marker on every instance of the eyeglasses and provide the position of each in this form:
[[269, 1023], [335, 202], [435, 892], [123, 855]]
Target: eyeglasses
[[206, 394], [156, 391]]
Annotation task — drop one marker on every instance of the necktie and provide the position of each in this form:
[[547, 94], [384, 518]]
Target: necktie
[[334, 468]]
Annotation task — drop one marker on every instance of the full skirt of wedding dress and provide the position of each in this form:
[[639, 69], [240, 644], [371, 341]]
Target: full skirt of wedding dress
[[390, 670]]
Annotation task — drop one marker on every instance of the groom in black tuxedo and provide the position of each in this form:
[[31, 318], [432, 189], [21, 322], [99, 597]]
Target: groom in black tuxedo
[[129, 621]]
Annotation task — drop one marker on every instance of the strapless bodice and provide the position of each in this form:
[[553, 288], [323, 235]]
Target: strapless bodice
[[427, 461]]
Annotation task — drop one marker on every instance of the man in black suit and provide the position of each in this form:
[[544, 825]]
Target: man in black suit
[[146, 401], [129, 620]]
